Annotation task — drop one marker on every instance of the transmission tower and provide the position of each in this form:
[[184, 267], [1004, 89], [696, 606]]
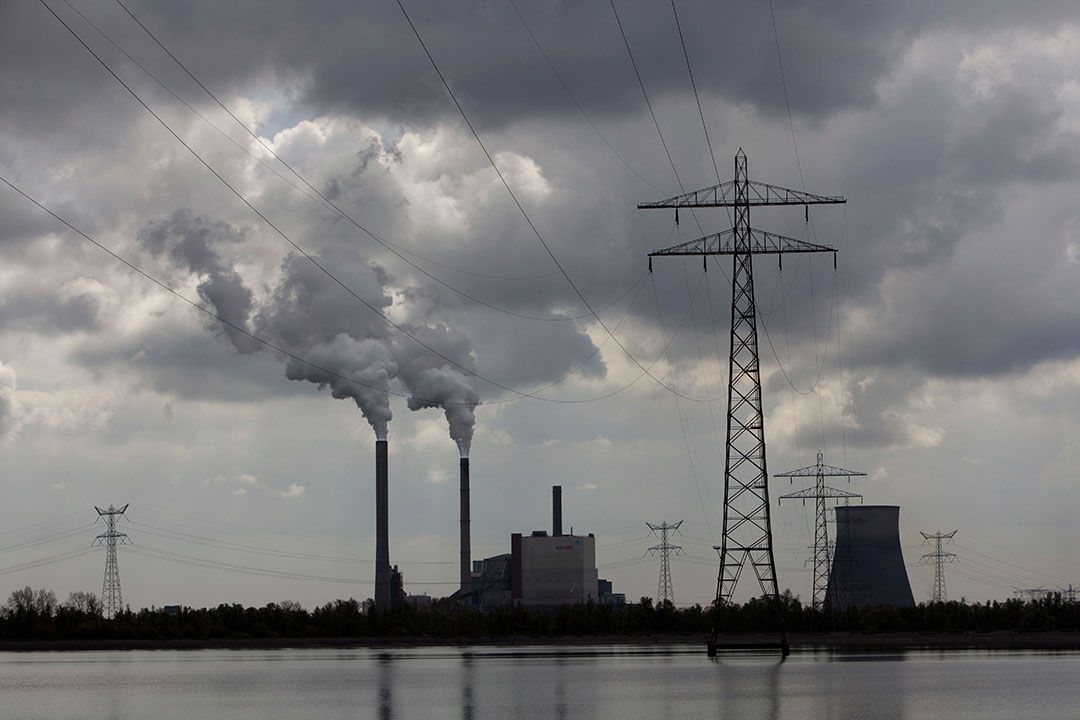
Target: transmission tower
[[939, 557], [747, 530], [111, 599], [820, 493], [664, 590]]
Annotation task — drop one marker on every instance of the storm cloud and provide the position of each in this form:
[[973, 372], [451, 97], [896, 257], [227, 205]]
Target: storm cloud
[[952, 129]]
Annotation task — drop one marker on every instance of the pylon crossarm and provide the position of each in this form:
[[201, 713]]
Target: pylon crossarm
[[757, 242], [823, 470], [812, 493], [757, 193]]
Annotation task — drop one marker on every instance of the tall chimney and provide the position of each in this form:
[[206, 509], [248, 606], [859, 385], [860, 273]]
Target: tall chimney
[[382, 527], [466, 543], [556, 510]]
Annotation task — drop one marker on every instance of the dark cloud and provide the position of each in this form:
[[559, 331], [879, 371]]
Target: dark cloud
[[40, 311]]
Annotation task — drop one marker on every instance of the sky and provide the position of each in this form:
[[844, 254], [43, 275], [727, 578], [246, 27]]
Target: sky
[[941, 357]]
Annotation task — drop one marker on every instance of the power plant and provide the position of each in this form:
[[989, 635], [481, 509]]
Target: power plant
[[868, 565], [542, 570]]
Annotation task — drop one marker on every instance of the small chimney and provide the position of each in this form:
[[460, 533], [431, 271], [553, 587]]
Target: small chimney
[[466, 543], [556, 510], [382, 527]]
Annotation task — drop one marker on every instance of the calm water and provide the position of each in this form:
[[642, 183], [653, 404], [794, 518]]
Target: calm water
[[587, 683]]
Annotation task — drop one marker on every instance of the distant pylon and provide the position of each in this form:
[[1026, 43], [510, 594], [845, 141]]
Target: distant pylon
[[112, 601], [664, 590], [820, 493], [939, 557]]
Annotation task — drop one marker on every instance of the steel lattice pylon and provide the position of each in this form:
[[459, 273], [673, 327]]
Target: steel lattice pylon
[[112, 600], [665, 592], [820, 493], [747, 529], [939, 557]]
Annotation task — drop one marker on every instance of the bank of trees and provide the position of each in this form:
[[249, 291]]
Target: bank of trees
[[38, 615]]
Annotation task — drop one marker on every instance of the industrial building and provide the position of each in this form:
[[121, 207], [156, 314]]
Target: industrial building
[[553, 570], [868, 564], [542, 570]]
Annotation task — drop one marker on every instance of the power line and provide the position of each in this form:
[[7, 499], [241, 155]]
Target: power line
[[392, 247], [525, 214], [693, 85], [1054, 578], [566, 88], [279, 349], [167, 534], [185, 559], [400, 328], [518, 393], [787, 101], [47, 539], [644, 92], [286, 180], [49, 560]]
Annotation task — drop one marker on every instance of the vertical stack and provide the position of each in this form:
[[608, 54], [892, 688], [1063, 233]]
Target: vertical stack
[[382, 526], [466, 545]]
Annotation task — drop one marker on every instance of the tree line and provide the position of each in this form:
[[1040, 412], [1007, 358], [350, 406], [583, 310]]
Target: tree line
[[32, 614]]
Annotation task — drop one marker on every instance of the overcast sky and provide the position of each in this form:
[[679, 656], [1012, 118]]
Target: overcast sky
[[942, 358]]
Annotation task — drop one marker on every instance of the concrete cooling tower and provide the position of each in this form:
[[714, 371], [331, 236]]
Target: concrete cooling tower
[[868, 565]]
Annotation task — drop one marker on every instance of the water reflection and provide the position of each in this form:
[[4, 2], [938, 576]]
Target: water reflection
[[468, 668], [535, 684], [560, 688], [385, 663]]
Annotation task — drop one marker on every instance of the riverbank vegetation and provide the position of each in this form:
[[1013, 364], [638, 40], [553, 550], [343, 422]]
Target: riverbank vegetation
[[38, 615]]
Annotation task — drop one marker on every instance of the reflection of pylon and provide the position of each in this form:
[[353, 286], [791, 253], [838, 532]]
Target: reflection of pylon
[[939, 557], [111, 599], [820, 493], [664, 591]]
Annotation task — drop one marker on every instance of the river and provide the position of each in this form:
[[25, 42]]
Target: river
[[536, 682]]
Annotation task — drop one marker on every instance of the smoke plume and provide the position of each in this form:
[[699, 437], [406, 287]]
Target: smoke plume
[[368, 361], [434, 383], [190, 243], [311, 316]]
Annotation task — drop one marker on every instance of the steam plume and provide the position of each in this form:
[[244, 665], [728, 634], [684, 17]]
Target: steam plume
[[366, 360], [434, 383]]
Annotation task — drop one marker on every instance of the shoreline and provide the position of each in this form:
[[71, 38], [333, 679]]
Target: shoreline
[[844, 642]]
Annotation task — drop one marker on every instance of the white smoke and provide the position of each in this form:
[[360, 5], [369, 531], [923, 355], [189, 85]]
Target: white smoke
[[309, 315], [434, 383], [367, 361]]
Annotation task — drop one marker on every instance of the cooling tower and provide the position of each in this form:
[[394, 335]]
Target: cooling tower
[[466, 543], [868, 565], [382, 527]]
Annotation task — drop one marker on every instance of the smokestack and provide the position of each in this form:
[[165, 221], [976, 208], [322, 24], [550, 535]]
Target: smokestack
[[556, 510], [382, 527], [466, 542]]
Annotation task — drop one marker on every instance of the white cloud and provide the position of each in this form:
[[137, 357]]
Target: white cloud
[[294, 490], [437, 475]]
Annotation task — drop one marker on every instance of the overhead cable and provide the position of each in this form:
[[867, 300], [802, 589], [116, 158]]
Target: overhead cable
[[528, 219]]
